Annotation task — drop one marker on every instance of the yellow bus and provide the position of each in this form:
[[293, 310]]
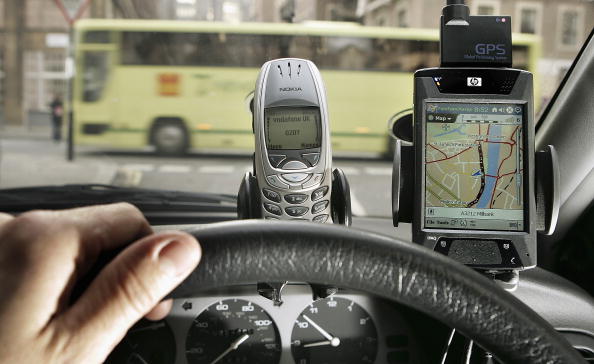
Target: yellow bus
[[180, 85]]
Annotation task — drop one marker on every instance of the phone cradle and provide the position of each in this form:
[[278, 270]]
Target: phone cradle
[[248, 198]]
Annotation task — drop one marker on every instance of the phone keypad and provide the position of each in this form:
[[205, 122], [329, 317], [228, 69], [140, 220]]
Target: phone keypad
[[296, 198], [273, 209], [275, 202], [276, 159], [316, 179], [312, 158], [320, 218], [275, 181], [294, 165], [319, 193], [271, 195], [295, 177], [319, 206], [296, 210]]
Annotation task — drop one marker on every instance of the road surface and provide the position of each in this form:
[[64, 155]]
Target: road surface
[[25, 162]]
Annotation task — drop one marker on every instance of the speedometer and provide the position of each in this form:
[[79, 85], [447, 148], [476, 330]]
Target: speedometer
[[147, 342], [334, 331], [233, 331]]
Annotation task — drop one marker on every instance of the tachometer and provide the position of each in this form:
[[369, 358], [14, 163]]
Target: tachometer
[[332, 331], [233, 331], [146, 342]]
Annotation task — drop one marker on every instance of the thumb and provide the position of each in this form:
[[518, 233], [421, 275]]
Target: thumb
[[128, 288]]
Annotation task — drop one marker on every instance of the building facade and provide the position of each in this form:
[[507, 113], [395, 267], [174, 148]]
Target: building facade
[[563, 25], [35, 33], [34, 36]]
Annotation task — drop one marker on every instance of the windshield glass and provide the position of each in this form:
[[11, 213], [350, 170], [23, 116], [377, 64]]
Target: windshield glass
[[156, 93]]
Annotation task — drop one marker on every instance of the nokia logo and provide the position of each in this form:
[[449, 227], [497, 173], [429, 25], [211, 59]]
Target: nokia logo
[[290, 89], [487, 49]]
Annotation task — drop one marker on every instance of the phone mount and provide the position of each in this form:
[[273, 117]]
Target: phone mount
[[547, 179], [248, 198]]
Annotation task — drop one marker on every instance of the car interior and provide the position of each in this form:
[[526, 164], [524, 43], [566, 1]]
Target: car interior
[[359, 290]]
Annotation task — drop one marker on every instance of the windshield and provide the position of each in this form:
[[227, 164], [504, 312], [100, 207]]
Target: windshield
[[157, 93]]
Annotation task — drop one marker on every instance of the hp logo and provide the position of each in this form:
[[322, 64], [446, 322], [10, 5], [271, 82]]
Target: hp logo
[[474, 81]]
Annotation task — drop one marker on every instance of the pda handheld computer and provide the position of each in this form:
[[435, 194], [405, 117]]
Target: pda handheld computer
[[474, 190]]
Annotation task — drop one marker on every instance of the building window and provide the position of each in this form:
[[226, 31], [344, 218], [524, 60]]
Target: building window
[[528, 20], [569, 28], [529, 17], [401, 19], [485, 7], [486, 10]]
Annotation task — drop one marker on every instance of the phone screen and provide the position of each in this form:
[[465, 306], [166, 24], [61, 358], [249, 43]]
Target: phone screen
[[474, 170], [292, 128]]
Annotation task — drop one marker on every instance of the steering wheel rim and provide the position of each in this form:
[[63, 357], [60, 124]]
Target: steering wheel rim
[[245, 252]]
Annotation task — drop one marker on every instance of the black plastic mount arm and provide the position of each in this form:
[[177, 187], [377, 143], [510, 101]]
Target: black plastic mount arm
[[548, 201], [403, 178]]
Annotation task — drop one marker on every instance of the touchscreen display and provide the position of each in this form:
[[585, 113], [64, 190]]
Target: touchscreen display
[[474, 166], [292, 127]]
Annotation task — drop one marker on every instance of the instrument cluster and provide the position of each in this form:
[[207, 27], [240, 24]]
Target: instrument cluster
[[238, 325]]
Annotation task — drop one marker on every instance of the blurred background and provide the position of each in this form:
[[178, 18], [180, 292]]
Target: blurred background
[[34, 33], [160, 89]]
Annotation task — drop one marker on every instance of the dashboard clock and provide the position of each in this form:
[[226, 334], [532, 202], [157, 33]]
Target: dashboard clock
[[332, 331]]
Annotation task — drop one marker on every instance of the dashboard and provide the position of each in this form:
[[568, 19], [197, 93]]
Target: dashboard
[[238, 325], [233, 325]]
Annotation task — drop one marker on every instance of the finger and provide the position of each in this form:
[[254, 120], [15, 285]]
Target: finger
[[160, 310], [128, 288], [5, 218], [100, 230], [105, 227], [76, 235], [43, 253]]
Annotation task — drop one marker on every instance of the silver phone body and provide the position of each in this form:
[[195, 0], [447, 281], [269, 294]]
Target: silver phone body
[[294, 183]]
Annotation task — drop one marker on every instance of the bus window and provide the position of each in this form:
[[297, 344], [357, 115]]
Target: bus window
[[97, 37], [148, 48], [198, 49], [96, 69], [401, 55], [241, 50], [252, 50], [372, 54]]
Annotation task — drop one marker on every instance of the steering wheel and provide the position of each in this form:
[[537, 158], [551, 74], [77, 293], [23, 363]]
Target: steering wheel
[[244, 252]]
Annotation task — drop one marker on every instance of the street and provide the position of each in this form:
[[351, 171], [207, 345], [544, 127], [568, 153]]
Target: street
[[35, 162]]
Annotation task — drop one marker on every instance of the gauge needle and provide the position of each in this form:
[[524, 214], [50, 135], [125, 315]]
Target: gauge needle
[[234, 345], [150, 327], [319, 343], [334, 341], [136, 358]]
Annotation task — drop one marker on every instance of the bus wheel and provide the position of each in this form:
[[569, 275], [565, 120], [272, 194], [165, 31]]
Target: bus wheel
[[170, 138]]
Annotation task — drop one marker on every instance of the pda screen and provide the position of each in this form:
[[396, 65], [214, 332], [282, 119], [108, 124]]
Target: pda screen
[[292, 127], [474, 166]]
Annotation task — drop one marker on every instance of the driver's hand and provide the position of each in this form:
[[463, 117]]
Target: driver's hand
[[44, 253]]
